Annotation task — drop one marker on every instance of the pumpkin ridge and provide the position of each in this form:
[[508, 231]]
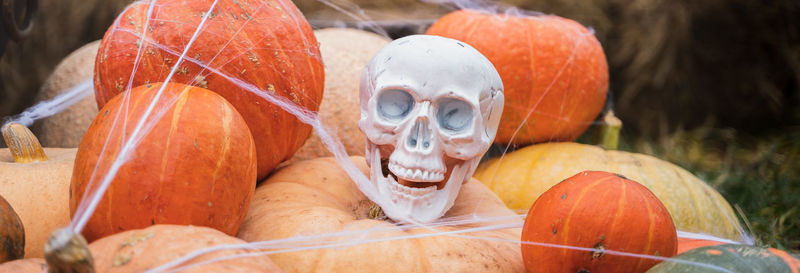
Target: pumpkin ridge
[[176, 114], [694, 199], [227, 118], [575, 204], [620, 204], [650, 232]]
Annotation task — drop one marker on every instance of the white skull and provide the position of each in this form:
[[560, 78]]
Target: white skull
[[430, 107]]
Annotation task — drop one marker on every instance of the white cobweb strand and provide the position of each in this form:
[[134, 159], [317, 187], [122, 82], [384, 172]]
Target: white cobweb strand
[[54, 106], [303, 115], [300, 243], [83, 216]]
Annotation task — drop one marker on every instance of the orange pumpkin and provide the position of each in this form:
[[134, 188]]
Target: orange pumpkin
[[554, 71], [601, 211], [195, 166], [266, 43]]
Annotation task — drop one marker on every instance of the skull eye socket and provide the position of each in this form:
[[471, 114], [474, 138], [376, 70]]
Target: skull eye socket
[[395, 104], [454, 115]]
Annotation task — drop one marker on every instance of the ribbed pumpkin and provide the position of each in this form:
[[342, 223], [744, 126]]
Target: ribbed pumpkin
[[35, 181], [195, 166], [522, 176], [12, 234], [265, 43], [340, 109], [316, 197], [599, 210], [734, 258], [140, 250], [554, 71], [66, 128]]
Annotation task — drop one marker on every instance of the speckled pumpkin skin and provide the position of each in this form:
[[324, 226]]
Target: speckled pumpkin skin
[[554, 71]]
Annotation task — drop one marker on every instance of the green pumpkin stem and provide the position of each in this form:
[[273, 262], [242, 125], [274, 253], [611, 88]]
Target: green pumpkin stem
[[68, 252], [609, 131], [24, 146]]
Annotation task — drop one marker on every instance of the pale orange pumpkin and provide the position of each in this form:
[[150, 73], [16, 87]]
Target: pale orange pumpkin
[[139, 250], [316, 197], [340, 109], [35, 181]]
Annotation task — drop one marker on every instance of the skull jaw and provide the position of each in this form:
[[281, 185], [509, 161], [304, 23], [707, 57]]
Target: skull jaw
[[414, 204]]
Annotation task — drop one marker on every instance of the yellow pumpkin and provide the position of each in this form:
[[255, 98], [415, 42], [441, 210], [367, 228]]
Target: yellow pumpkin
[[520, 177], [35, 181], [340, 109], [315, 197]]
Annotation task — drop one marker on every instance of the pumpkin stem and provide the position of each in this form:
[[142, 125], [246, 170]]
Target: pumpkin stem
[[24, 146], [376, 213], [609, 131], [68, 252]]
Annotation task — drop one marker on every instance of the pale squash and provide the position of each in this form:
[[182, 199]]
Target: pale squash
[[317, 197], [340, 109], [66, 128], [139, 250], [36, 187], [24, 265]]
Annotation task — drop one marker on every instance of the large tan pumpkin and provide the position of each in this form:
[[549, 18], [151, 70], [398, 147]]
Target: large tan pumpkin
[[344, 61], [38, 191], [66, 128], [139, 250], [316, 197], [24, 265], [520, 177]]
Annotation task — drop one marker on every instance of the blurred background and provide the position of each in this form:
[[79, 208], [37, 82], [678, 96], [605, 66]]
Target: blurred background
[[713, 85]]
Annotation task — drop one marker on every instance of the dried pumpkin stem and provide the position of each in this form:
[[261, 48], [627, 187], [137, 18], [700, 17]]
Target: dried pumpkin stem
[[68, 252], [24, 146], [376, 213], [609, 132]]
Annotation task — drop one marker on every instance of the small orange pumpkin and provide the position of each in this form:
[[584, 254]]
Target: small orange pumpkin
[[598, 210], [195, 166]]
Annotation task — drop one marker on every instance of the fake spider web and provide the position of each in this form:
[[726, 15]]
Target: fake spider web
[[447, 226]]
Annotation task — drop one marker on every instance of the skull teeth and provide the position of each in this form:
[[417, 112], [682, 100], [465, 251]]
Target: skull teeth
[[409, 192], [416, 174]]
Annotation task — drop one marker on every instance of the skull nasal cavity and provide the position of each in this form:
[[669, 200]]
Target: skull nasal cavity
[[420, 136]]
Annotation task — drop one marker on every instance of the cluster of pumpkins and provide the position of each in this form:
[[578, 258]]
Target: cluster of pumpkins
[[216, 164]]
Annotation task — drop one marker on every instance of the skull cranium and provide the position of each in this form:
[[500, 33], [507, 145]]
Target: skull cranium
[[430, 107]]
